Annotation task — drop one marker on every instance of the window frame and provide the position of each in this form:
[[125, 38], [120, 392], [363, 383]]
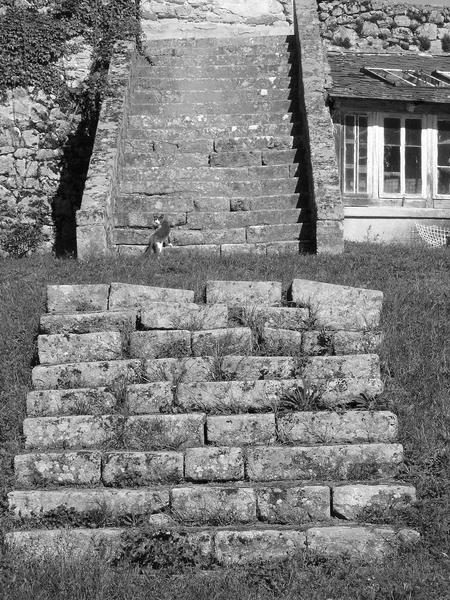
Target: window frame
[[369, 117], [434, 165]]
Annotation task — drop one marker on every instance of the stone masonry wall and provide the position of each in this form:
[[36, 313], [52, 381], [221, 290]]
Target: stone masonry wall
[[380, 25]]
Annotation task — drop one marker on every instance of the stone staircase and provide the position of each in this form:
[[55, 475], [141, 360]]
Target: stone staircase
[[213, 141], [247, 427]]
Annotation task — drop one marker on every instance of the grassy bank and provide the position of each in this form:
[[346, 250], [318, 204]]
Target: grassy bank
[[416, 369]]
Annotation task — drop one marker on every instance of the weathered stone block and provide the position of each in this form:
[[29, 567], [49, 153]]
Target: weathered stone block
[[88, 322], [338, 307], [164, 432], [218, 342], [172, 315], [337, 428], [214, 464], [77, 298], [293, 504], [233, 396], [349, 501], [239, 293], [147, 398], [366, 366], [89, 374], [160, 343], [178, 370], [212, 505], [71, 347], [129, 296], [50, 403], [115, 502], [257, 367], [357, 342], [71, 432], [282, 340], [129, 469], [240, 547], [274, 317], [236, 430], [60, 468], [357, 461]]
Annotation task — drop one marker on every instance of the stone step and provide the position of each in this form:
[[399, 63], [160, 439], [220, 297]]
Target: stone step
[[238, 59], [208, 173], [72, 347], [173, 315], [202, 464], [278, 82], [128, 296], [224, 546], [193, 97], [224, 71], [77, 298], [65, 402], [242, 292], [79, 323], [166, 111], [217, 44], [231, 189], [220, 220]]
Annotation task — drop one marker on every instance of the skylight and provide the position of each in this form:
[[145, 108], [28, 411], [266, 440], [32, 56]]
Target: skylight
[[410, 77]]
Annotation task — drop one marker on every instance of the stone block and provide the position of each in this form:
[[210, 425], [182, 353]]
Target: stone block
[[240, 547], [89, 374], [88, 322], [214, 464], [274, 317], [240, 430], [127, 296], [178, 370], [213, 505], [240, 293], [77, 298], [160, 343], [172, 315], [357, 342], [81, 431], [293, 504], [366, 366], [356, 461], [208, 237], [130, 469], [71, 347], [59, 468], [218, 342], [116, 502], [233, 396], [338, 307], [349, 501], [164, 432], [148, 398], [233, 249], [282, 341], [257, 367], [51, 403], [323, 427], [367, 543]]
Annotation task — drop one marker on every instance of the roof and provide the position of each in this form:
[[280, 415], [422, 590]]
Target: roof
[[350, 78]]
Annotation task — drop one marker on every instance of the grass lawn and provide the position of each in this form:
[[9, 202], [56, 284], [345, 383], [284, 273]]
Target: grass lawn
[[416, 369]]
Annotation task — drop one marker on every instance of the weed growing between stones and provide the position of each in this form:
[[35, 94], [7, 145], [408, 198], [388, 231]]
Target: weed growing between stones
[[302, 398]]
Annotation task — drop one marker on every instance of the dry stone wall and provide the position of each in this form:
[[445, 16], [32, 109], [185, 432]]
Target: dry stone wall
[[380, 25]]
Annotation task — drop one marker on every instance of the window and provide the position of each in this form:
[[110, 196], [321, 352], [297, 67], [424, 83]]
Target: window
[[402, 156], [355, 154], [443, 157]]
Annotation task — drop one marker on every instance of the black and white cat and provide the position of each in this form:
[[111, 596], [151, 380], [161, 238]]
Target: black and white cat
[[161, 237]]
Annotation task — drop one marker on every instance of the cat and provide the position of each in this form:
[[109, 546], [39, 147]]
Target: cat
[[161, 237]]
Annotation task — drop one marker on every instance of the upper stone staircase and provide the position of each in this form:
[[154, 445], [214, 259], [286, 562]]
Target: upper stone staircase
[[213, 141], [244, 426]]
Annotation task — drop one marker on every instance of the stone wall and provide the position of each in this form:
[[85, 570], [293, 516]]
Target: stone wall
[[383, 25]]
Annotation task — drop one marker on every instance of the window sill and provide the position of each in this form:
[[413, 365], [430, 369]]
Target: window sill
[[388, 212]]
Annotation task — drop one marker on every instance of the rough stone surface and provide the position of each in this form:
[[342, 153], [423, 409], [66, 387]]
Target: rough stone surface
[[349, 501], [89, 374], [164, 432], [77, 298], [160, 343], [116, 502], [235, 430], [126, 296], [129, 469], [239, 293], [257, 367], [197, 505], [366, 366], [64, 468], [88, 322], [240, 547], [71, 347], [178, 370], [339, 307], [337, 428], [282, 340], [171, 315], [214, 464], [293, 504], [84, 431], [274, 317], [51, 403], [357, 342], [357, 461], [218, 342], [147, 398]]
